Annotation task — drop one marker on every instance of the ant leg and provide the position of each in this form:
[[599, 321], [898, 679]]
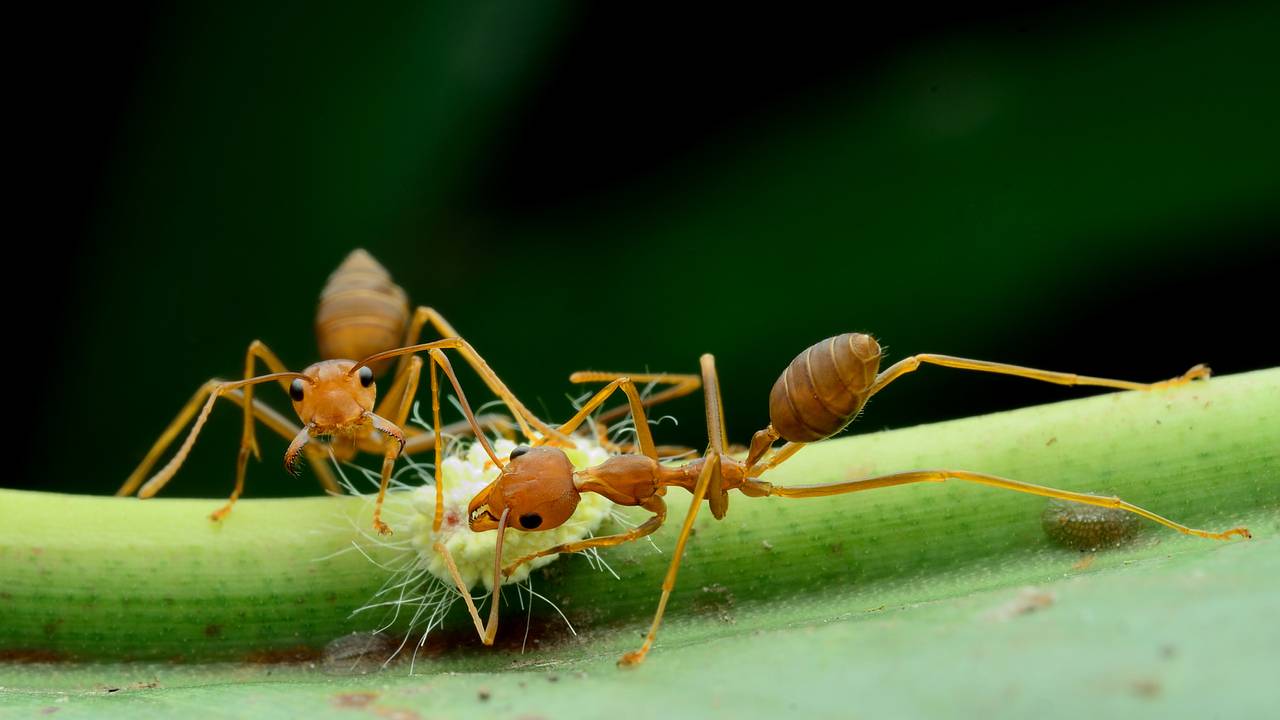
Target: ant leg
[[717, 498], [426, 440], [285, 428], [784, 452], [438, 358], [170, 433], [392, 430], [402, 387], [710, 469], [643, 434], [465, 592], [258, 350], [213, 389], [394, 444], [489, 630], [403, 392], [410, 389], [761, 489], [681, 385], [653, 504], [902, 367], [423, 315], [399, 401], [439, 466], [266, 415], [764, 439], [408, 383], [709, 477]]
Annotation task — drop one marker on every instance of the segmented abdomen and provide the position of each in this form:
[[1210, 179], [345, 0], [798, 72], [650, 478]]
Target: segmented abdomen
[[823, 389], [361, 311]]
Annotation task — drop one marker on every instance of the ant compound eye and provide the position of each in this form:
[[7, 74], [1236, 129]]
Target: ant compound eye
[[517, 453], [366, 376], [531, 520], [295, 389]]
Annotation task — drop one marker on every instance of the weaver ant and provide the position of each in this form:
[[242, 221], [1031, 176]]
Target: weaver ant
[[818, 395], [361, 313]]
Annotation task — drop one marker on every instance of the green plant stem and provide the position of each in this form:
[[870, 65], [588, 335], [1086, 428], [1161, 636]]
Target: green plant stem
[[98, 577]]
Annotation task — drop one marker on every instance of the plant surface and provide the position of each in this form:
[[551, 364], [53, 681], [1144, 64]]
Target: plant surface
[[912, 600]]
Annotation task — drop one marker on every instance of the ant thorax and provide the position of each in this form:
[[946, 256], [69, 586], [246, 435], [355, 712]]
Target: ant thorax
[[466, 473]]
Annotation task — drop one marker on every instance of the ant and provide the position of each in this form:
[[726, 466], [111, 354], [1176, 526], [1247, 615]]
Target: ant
[[817, 396], [361, 313]]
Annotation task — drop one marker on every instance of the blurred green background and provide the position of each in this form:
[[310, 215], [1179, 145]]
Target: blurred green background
[[1089, 188]]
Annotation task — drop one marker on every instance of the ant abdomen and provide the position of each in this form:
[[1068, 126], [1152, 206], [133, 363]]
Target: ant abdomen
[[824, 387], [361, 312]]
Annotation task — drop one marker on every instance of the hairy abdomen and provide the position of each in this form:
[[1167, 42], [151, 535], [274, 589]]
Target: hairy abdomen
[[361, 311], [823, 389]]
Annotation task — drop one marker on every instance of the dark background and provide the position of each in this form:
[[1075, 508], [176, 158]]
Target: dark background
[[1085, 187]]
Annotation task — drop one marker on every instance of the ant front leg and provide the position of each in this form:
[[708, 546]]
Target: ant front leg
[[393, 431], [264, 414], [423, 441], [258, 350], [487, 631], [653, 504], [209, 394], [394, 445], [286, 429], [399, 402], [248, 442]]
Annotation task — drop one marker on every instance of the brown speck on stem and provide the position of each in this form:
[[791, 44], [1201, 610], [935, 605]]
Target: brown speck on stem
[[1029, 600], [1146, 687], [354, 700], [1084, 562]]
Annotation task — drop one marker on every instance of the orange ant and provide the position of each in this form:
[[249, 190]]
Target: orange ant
[[361, 313], [818, 395]]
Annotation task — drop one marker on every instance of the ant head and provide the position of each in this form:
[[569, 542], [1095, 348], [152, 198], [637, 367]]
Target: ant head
[[536, 486], [333, 398]]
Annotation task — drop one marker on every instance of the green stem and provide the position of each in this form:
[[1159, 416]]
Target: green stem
[[99, 577]]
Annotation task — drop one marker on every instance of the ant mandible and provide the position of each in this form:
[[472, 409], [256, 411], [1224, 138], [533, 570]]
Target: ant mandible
[[817, 396]]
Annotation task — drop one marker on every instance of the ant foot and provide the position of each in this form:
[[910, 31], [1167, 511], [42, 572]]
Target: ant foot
[[220, 513], [1199, 372], [381, 527], [1241, 531], [633, 658]]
